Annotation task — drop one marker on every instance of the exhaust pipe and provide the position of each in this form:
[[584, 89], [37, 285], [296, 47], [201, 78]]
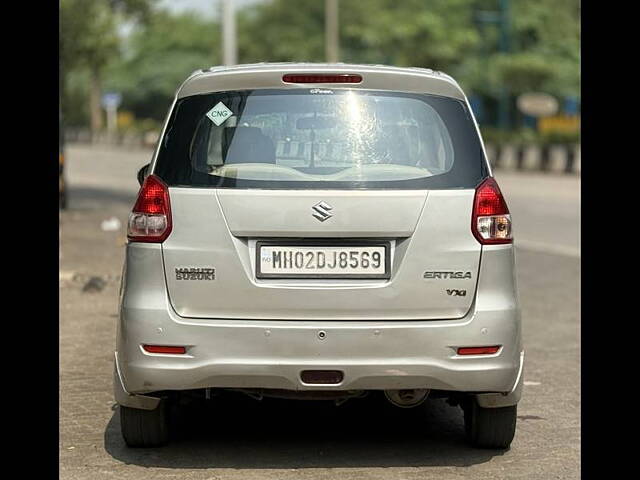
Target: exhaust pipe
[[407, 398]]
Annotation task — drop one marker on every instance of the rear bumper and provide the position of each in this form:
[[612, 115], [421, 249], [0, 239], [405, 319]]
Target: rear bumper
[[272, 354]]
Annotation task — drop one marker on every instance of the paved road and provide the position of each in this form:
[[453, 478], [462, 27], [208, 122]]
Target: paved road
[[287, 440], [545, 210]]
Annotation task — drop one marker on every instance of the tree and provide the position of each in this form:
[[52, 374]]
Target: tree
[[544, 52], [448, 35], [278, 31], [158, 56], [432, 34], [89, 40], [444, 35], [548, 30], [436, 34]]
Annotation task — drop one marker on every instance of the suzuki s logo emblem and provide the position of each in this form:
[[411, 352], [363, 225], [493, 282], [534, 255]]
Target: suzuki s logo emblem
[[322, 211]]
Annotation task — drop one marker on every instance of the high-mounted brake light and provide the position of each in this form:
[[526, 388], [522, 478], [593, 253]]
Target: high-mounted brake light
[[150, 219], [322, 78], [478, 350], [490, 222]]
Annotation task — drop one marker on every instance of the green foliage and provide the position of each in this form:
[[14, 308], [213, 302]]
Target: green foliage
[[524, 72], [557, 137], [75, 107], [88, 36], [494, 135], [459, 37], [158, 57], [544, 51], [87, 33], [282, 31], [432, 34]]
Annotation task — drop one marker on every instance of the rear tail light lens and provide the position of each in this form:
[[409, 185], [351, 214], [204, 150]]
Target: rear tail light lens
[[150, 219], [491, 222], [478, 350], [321, 78]]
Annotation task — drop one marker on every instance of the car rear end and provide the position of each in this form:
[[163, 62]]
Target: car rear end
[[320, 230]]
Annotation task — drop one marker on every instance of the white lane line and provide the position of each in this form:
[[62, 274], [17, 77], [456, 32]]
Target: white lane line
[[548, 248]]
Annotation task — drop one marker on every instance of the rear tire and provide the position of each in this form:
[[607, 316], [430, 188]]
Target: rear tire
[[145, 428], [490, 427]]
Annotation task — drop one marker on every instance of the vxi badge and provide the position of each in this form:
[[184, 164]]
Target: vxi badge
[[447, 275], [456, 293]]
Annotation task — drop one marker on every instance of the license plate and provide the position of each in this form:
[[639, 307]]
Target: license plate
[[322, 261]]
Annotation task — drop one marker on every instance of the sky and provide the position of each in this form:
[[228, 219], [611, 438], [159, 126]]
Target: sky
[[207, 8]]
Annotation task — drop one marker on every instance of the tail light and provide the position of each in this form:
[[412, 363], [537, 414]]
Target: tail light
[[150, 219], [490, 222], [322, 78]]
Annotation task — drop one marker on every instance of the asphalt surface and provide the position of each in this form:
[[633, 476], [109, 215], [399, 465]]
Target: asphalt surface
[[239, 438]]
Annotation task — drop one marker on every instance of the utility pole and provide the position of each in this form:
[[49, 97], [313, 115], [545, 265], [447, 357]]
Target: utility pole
[[110, 102], [502, 20], [331, 40], [229, 44], [503, 108]]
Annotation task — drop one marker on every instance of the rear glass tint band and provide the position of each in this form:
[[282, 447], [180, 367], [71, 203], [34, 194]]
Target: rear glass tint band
[[188, 135]]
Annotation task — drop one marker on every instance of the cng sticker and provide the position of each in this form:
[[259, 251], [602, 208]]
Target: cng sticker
[[219, 114]]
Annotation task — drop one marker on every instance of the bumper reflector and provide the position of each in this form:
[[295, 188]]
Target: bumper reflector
[[324, 377], [478, 350], [164, 349]]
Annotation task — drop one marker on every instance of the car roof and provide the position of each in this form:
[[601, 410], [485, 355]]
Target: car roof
[[269, 75]]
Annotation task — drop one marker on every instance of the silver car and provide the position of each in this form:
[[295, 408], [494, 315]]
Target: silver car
[[321, 231]]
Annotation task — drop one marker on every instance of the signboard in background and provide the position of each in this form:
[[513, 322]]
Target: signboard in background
[[111, 100], [537, 104], [571, 105], [568, 124]]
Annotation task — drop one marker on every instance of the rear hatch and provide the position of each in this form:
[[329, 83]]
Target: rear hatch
[[321, 204]]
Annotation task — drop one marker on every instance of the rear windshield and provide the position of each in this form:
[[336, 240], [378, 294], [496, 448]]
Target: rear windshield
[[320, 138]]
